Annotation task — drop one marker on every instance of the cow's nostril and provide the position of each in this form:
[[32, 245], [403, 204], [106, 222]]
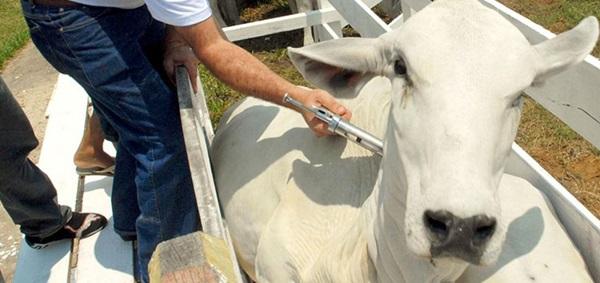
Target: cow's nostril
[[484, 229], [438, 224]]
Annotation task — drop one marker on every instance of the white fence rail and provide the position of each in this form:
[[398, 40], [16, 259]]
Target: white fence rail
[[198, 134], [574, 97], [281, 24], [363, 19], [326, 15]]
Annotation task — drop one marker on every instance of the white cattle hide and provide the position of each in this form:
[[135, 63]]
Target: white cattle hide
[[444, 92], [537, 248]]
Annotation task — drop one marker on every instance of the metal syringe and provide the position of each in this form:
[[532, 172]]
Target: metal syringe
[[338, 125]]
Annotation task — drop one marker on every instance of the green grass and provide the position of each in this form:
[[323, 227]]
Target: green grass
[[13, 30], [219, 96]]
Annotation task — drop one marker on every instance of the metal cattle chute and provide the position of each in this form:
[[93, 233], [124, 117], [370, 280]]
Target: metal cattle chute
[[578, 86]]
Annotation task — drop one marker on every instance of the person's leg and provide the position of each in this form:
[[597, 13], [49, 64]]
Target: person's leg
[[109, 132], [25, 191], [124, 198], [90, 157], [101, 48]]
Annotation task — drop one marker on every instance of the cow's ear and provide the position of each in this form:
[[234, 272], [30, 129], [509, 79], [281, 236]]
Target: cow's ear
[[340, 66], [566, 49]]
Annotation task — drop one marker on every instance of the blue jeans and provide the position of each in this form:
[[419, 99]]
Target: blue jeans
[[116, 56]]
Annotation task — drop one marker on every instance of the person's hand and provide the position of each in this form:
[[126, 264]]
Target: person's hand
[[317, 97], [181, 54]]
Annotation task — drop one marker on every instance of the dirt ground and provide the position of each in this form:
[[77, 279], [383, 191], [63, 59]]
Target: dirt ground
[[31, 80]]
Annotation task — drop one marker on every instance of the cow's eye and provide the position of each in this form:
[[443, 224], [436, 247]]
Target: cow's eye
[[399, 67]]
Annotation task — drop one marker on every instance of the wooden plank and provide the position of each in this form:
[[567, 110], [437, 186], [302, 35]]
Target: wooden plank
[[197, 149], [369, 3], [103, 257], [321, 32], [66, 113], [573, 96], [326, 32], [197, 257], [200, 109], [287, 23], [360, 17], [281, 24], [195, 124], [582, 226], [301, 6], [323, 4]]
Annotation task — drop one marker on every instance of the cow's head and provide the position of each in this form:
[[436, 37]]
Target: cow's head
[[457, 71]]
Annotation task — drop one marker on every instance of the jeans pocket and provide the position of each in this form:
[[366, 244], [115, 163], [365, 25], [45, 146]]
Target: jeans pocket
[[82, 16], [40, 32]]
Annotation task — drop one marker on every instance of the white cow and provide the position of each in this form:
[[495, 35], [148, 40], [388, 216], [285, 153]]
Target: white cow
[[444, 91]]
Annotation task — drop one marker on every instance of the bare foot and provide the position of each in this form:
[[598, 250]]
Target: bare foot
[[90, 158]]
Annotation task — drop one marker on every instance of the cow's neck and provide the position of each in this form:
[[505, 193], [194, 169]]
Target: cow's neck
[[346, 258], [385, 233], [383, 215]]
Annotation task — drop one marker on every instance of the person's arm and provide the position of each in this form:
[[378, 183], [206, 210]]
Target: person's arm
[[178, 52], [243, 72]]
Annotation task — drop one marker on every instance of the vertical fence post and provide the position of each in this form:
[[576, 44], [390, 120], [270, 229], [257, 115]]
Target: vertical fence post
[[329, 30]]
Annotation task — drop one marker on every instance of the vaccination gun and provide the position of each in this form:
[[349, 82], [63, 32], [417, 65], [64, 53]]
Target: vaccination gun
[[338, 125]]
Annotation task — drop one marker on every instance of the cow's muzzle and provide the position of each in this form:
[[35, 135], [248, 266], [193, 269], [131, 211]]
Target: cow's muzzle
[[463, 238]]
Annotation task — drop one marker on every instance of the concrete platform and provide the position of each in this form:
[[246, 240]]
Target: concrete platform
[[103, 257]]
